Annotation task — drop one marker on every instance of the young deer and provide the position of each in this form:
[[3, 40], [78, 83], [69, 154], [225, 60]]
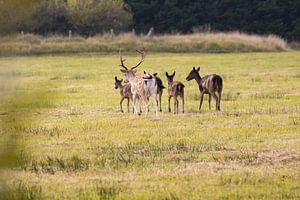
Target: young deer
[[125, 92], [175, 89], [160, 88], [210, 84], [142, 87]]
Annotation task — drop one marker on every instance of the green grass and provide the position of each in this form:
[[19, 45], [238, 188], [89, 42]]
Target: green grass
[[73, 143], [193, 43]]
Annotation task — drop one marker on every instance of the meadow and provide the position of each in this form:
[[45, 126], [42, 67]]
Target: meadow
[[60, 120]]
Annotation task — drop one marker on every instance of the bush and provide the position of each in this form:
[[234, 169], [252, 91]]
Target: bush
[[51, 17], [91, 17]]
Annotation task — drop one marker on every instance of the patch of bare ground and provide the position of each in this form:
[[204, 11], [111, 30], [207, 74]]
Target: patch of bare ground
[[278, 157]]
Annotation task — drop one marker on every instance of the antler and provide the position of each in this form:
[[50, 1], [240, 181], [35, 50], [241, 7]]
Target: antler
[[122, 61], [143, 54]]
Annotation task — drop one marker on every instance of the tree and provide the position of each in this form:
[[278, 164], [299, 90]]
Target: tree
[[98, 16], [252, 16], [51, 17], [15, 14]]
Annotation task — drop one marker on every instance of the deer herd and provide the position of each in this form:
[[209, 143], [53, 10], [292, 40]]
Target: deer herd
[[141, 87]]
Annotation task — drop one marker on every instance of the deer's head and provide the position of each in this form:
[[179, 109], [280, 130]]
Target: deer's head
[[170, 77], [147, 77], [118, 83], [193, 74], [130, 72]]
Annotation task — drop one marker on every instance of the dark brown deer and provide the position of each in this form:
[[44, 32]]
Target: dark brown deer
[[175, 89], [210, 84], [125, 92], [160, 88], [142, 87]]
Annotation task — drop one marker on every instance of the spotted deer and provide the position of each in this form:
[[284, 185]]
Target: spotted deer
[[160, 88], [142, 86], [210, 84], [125, 92], [175, 89]]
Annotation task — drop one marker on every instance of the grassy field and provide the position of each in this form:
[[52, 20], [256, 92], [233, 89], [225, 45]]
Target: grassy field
[[73, 143]]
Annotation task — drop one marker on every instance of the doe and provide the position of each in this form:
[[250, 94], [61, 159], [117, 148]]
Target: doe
[[160, 88], [125, 92], [210, 84], [175, 89]]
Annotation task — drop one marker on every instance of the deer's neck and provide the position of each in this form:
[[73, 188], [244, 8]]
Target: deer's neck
[[198, 79]]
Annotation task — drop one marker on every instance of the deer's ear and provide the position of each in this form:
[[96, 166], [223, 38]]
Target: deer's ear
[[134, 71], [167, 74], [145, 72], [122, 70], [198, 69], [121, 80], [155, 74], [116, 78], [173, 73]]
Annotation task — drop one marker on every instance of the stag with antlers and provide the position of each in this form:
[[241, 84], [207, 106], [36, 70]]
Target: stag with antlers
[[142, 87]]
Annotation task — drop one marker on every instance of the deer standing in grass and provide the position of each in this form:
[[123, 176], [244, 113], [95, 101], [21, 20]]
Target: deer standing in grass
[[142, 87], [125, 92], [160, 88], [210, 84], [175, 89]]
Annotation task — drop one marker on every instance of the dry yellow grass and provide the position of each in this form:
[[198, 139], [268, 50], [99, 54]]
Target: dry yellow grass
[[199, 42]]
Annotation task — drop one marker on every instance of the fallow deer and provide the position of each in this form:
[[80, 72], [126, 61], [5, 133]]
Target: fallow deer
[[210, 84], [142, 87], [175, 89], [160, 88], [125, 92]]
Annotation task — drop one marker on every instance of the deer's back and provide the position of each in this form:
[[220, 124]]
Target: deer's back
[[211, 83], [176, 88], [126, 91]]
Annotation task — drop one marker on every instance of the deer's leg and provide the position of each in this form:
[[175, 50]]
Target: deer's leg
[[175, 105], [209, 101], [155, 104], [149, 104], [160, 94], [140, 105], [220, 94], [133, 102], [128, 99], [170, 103], [217, 100], [121, 101], [201, 100], [182, 98], [146, 99]]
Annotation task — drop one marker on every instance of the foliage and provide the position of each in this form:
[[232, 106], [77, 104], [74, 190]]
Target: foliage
[[261, 17], [51, 17], [15, 14], [88, 17], [91, 17], [59, 16]]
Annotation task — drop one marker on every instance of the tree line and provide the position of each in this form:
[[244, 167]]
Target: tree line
[[88, 17], [251, 16], [84, 17]]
